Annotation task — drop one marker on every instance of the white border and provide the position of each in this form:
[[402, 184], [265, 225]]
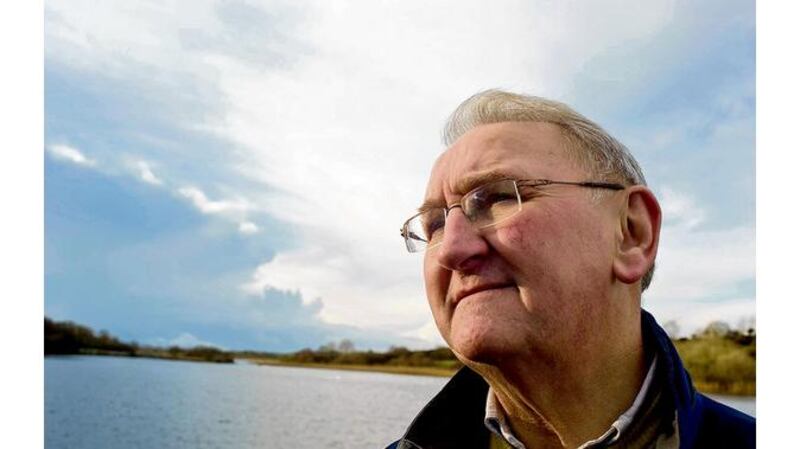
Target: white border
[[777, 226], [21, 201]]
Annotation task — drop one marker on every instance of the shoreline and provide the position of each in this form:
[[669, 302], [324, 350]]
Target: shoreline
[[142, 354], [388, 369], [737, 389], [740, 389]]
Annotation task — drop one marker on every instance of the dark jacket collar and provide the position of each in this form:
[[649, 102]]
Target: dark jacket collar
[[453, 418], [679, 384]]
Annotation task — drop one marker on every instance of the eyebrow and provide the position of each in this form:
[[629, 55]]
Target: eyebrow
[[465, 185]]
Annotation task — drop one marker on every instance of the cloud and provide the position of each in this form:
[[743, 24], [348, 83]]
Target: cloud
[[353, 285], [233, 207], [353, 259], [184, 340], [248, 227], [679, 210], [344, 184], [703, 263], [702, 273], [146, 174], [428, 333], [70, 154], [695, 262], [335, 124], [287, 319]]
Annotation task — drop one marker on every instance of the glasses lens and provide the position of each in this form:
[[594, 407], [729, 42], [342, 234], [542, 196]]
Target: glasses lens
[[485, 206], [492, 203], [425, 229]]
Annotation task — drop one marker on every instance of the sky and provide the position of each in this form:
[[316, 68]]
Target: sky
[[235, 173]]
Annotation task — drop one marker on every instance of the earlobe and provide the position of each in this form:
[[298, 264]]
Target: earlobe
[[640, 226]]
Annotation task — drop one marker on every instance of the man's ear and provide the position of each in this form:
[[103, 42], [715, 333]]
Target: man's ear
[[640, 226]]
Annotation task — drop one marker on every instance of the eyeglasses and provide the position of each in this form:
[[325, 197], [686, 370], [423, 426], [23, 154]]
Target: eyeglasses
[[483, 206]]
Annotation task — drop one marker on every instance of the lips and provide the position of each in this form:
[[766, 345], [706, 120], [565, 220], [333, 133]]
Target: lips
[[463, 293]]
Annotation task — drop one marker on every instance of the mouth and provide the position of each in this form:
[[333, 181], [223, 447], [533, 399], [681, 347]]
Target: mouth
[[460, 295]]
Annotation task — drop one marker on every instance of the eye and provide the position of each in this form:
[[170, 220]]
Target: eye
[[414, 236], [432, 224], [500, 196], [485, 197]]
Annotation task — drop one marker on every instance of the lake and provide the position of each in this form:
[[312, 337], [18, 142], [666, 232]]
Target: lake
[[126, 403]]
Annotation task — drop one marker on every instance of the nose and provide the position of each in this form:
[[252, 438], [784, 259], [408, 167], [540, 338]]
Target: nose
[[462, 248]]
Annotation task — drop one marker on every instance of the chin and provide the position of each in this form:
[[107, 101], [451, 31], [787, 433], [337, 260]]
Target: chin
[[478, 341]]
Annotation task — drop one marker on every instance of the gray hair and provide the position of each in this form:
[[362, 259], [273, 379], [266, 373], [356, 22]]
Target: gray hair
[[600, 153]]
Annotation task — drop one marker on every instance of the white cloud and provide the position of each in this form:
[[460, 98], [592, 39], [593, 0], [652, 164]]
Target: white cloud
[[350, 135], [428, 333], [70, 154], [146, 174], [341, 126], [248, 227], [352, 283], [231, 207], [679, 210], [187, 340], [701, 274], [703, 264]]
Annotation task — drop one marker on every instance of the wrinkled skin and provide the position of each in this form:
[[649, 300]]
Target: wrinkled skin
[[548, 268]]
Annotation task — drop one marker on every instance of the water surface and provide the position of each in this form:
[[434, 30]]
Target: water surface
[[126, 403]]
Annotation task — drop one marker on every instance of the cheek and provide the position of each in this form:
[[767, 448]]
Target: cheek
[[550, 240], [437, 283], [556, 254], [534, 249], [532, 242]]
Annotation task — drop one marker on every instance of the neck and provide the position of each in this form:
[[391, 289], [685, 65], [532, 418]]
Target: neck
[[572, 396]]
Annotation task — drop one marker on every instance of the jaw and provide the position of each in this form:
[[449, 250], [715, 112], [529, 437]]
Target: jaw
[[486, 326]]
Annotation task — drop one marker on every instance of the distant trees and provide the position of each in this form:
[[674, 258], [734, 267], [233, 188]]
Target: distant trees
[[69, 338], [715, 329], [344, 353], [208, 353], [721, 359], [747, 325], [345, 345]]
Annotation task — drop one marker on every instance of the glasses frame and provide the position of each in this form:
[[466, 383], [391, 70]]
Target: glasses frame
[[517, 184]]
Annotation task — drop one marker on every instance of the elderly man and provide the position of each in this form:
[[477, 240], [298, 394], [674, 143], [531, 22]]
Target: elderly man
[[539, 236]]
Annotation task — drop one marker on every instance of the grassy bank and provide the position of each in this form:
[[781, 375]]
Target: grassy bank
[[738, 388], [391, 369]]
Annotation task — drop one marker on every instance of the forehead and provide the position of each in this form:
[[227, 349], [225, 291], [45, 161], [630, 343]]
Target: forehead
[[519, 150]]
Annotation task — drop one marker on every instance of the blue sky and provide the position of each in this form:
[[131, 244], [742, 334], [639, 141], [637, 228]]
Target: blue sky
[[235, 173]]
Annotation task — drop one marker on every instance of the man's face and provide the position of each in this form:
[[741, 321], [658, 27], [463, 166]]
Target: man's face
[[537, 282]]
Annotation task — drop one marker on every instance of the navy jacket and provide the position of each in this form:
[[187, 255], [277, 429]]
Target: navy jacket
[[454, 418]]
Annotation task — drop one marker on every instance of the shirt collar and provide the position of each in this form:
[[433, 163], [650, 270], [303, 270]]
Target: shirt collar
[[495, 419]]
